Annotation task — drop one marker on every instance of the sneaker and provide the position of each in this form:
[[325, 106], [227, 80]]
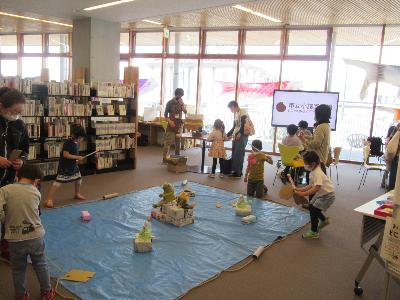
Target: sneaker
[[235, 176], [323, 224], [24, 297], [50, 295], [309, 235], [211, 175], [221, 175]]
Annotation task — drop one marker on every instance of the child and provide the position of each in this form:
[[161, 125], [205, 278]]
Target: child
[[68, 169], [255, 170], [217, 150], [303, 129], [292, 139], [19, 204], [322, 189]]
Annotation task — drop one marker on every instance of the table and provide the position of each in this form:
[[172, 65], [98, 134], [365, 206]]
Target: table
[[154, 128], [202, 169], [372, 226]]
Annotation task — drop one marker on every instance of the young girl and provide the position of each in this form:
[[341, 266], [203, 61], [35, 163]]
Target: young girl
[[68, 169], [322, 189], [217, 150]]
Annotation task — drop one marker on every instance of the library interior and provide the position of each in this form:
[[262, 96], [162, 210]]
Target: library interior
[[259, 140]]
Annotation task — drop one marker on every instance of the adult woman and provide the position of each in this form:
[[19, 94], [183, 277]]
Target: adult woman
[[321, 138], [13, 136], [392, 156]]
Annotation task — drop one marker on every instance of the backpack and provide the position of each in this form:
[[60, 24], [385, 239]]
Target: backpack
[[376, 146], [249, 127]]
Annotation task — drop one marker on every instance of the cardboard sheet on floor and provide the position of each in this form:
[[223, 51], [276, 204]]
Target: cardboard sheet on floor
[[181, 257]]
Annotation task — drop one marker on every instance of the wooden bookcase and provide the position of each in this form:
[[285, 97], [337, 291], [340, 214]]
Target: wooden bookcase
[[117, 150]]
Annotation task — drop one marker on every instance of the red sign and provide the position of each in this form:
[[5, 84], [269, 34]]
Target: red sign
[[263, 88]]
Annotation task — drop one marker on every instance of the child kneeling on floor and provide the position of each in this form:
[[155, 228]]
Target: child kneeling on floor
[[255, 170], [322, 188], [19, 206]]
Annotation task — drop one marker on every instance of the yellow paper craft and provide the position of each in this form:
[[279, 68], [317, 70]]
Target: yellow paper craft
[[78, 275]]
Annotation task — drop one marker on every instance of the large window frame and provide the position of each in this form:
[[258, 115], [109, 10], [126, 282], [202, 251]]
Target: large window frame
[[44, 55], [282, 56]]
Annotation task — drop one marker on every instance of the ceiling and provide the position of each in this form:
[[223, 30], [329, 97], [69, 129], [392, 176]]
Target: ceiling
[[204, 13]]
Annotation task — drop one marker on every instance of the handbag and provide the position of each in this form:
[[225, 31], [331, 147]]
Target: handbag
[[249, 128]]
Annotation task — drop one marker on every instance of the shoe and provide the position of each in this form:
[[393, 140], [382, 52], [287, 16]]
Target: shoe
[[221, 175], [50, 295], [309, 235], [24, 297], [265, 190], [283, 177], [235, 176], [211, 175], [323, 224]]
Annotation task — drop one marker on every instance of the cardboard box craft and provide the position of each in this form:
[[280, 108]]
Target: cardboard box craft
[[176, 168], [140, 246]]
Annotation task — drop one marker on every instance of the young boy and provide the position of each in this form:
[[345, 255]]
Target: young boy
[[24, 231], [322, 189], [255, 170], [303, 129], [292, 139]]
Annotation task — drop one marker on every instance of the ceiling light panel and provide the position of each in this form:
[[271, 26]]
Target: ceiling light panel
[[107, 5]]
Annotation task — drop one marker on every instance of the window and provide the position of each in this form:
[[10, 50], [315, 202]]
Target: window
[[307, 42], [149, 42], [222, 42], [124, 42], [58, 43], [182, 73], [122, 65], [388, 94], [258, 80], [8, 67], [8, 43], [58, 68], [33, 43], [184, 42], [355, 101], [304, 75], [150, 82], [263, 42], [31, 66], [218, 87]]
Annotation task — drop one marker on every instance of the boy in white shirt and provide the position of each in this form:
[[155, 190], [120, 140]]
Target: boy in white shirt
[[322, 188]]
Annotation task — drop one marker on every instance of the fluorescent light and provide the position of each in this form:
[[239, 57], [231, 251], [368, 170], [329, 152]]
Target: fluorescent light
[[107, 4], [152, 22], [34, 19], [258, 14]]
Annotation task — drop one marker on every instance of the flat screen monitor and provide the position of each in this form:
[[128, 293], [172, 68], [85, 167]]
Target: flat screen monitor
[[290, 107]]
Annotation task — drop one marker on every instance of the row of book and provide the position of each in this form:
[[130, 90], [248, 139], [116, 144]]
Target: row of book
[[32, 108], [33, 130], [61, 127], [34, 151], [111, 110], [49, 168], [109, 160], [120, 142], [113, 128], [16, 82], [67, 107], [68, 88], [53, 148], [112, 89]]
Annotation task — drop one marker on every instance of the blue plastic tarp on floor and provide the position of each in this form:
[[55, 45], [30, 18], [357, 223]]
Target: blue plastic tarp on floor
[[181, 257]]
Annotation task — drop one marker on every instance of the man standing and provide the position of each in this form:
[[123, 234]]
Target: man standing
[[173, 114], [239, 139]]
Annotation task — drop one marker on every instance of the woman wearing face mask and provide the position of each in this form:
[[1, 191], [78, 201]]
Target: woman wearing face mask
[[320, 140], [13, 136]]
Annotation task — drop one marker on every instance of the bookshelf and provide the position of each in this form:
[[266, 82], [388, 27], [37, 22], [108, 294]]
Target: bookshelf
[[108, 112]]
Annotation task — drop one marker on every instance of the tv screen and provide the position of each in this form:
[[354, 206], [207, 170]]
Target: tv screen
[[290, 107]]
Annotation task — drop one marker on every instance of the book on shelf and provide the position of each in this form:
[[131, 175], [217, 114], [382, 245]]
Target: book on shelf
[[110, 110], [99, 110], [68, 88], [109, 160], [112, 89], [113, 143], [34, 151], [16, 82], [33, 130], [32, 108], [49, 168], [53, 148], [113, 128], [67, 107], [121, 109]]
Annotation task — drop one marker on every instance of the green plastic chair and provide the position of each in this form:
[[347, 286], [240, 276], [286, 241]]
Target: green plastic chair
[[288, 154]]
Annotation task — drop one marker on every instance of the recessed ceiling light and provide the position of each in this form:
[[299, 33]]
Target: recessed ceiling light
[[152, 22], [108, 4], [34, 19], [250, 11]]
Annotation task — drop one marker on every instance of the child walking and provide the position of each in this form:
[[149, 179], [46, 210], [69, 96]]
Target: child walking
[[322, 188], [255, 170], [24, 231], [68, 169], [217, 149]]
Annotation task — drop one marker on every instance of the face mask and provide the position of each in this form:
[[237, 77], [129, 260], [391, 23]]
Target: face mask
[[11, 117]]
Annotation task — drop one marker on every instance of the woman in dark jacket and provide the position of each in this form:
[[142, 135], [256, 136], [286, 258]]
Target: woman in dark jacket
[[13, 136]]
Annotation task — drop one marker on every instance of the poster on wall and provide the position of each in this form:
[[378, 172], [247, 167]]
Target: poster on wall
[[290, 107], [390, 249]]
